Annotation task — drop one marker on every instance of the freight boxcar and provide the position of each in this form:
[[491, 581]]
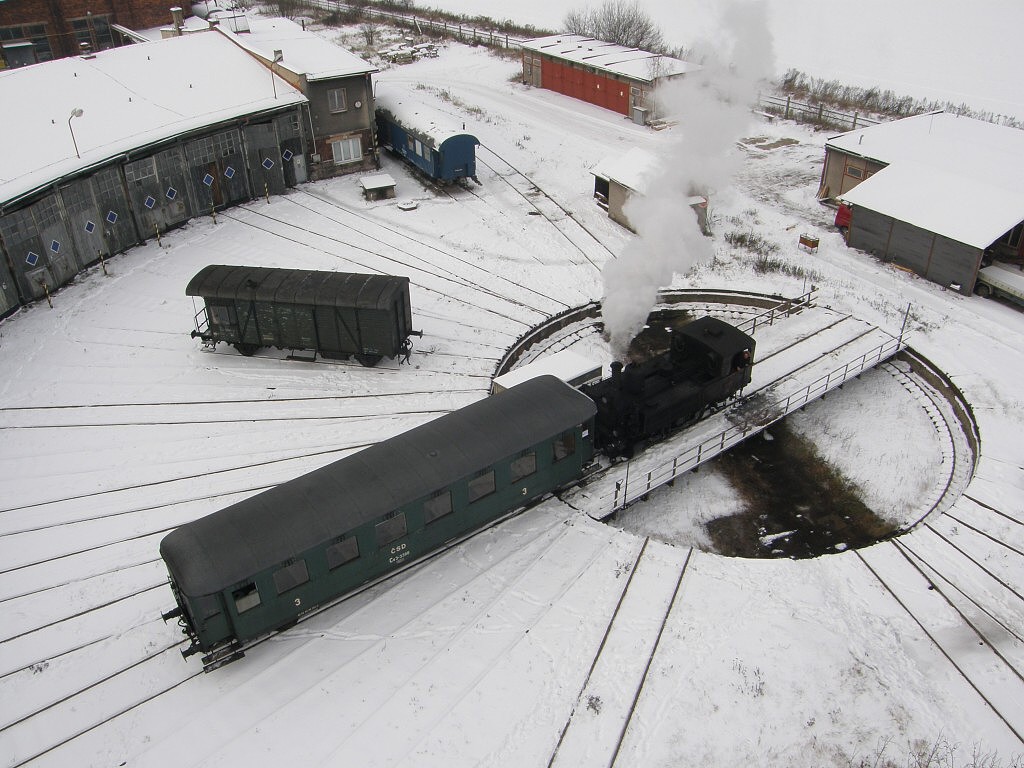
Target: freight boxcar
[[433, 141], [262, 563], [336, 314]]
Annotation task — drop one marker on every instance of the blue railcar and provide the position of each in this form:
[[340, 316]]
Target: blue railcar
[[433, 141]]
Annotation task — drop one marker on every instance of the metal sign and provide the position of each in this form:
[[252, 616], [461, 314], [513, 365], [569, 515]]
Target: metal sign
[[208, 180], [229, 172], [55, 246], [89, 227], [171, 193], [111, 217], [287, 155], [149, 202], [267, 163], [32, 259]]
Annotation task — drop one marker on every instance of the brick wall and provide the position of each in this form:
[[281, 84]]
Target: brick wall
[[56, 14]]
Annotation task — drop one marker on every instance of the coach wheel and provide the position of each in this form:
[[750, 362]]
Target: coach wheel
[[246, 349], [369, 360], [983, 290]]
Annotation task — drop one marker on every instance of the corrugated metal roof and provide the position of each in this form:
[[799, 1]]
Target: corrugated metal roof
[[216, 551], [632, 63]]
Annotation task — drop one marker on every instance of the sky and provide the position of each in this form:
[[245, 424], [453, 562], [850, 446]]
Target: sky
[[527, 644], [928, 49]]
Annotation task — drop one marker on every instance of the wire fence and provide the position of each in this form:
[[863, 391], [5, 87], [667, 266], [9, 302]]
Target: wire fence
[[789, 109]]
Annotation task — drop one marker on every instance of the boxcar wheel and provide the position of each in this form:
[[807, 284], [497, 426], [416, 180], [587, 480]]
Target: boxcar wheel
[[369, 360], [246, 349]]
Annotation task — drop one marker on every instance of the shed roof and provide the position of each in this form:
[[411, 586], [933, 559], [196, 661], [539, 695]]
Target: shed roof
[[219, 550], [955, 205], [297, 286], [304, 53], [631, 63], [130, 97]]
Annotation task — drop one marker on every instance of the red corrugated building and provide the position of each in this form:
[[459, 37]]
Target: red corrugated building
[[608, 75]]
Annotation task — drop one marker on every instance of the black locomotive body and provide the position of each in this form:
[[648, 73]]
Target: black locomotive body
[[707, 362], [337, 314]]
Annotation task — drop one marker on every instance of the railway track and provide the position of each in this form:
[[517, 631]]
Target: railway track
[[594, 252], [974, 652]]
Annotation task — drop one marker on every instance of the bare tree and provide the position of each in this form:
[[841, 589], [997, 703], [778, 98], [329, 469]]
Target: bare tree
[[617, 21]]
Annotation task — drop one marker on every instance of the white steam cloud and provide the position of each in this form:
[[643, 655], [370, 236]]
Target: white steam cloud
[[712, 108]]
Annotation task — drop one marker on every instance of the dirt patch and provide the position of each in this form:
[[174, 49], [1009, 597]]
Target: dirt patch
[[767, 144], [796, 505]]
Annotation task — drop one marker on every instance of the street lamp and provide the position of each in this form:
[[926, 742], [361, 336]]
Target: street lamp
[[278, 56], [76, 112]]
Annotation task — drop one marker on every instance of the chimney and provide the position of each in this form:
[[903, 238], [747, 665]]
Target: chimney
[[178, 18]]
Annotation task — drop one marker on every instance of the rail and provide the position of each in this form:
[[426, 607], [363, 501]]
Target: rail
[[627, 492], [782, 309]]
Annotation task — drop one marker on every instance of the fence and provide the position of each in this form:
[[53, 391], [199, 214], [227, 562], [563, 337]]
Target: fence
[[456, 30], [727, 438], [818, 114], [782, 309]]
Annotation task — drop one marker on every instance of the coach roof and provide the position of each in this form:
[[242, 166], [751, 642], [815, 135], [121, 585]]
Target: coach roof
[[229, 546]]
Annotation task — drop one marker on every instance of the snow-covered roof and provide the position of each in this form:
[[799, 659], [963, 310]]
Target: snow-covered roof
[[421, 112], [940, 139], [952, 175], [304, 53], [617, 59], [129, 97], [954, 205], [632, 169]]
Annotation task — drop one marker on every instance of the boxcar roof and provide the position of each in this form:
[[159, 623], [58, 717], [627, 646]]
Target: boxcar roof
[[226, 547], [297, 286]]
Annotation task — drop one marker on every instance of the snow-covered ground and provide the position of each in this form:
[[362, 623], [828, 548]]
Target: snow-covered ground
[[551, 638]]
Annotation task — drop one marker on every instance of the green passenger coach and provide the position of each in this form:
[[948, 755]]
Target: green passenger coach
[[261, 564]]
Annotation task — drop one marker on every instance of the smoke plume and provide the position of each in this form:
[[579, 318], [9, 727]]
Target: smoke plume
[[712, 108]]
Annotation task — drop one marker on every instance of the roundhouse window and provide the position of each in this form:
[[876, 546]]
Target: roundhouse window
[[291, 576], [482, 485], [337, 100], [246, 598]]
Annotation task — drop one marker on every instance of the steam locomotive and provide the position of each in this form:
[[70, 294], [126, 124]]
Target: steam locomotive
[[707, 362]]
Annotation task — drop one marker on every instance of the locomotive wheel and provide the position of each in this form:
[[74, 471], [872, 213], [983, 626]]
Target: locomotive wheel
[[369, 360], [246, 349]]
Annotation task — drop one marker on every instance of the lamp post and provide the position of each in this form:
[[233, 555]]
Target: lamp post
[[76, 112], [278, 56]]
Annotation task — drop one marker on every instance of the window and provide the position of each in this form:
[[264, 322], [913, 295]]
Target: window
[[344, 551], [857, 173], [391, 529], [337, 100], [246, 598], [291, 576], [524, 466], [410, 142], [437, 507], [347, 150], [564, 445], [419, 148], [482, 485]]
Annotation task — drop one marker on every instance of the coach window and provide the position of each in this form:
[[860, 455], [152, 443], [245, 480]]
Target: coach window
[[344, 551], [437, 507], [391, 529], [564, 445], [411, 142], [481, 485], [523, 466], [337, 100], [291, 576], [246, 598]]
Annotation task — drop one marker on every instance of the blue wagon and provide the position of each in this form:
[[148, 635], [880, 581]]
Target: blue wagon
[[433, 141]]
